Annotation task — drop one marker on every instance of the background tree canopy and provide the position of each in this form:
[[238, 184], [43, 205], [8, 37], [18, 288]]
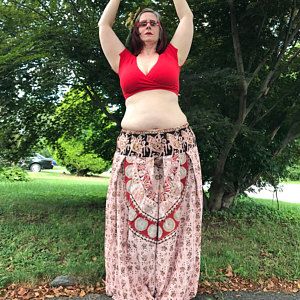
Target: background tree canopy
[[239, 87]]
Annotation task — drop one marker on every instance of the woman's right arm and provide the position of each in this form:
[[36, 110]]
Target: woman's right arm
[[110, 43]]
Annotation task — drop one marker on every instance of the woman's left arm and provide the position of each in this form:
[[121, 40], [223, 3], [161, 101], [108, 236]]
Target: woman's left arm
[[183, 36]]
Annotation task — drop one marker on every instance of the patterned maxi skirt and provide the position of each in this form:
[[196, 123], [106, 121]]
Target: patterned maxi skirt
[[153, 216]]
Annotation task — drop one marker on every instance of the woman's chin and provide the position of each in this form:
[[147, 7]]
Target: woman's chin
[[150, 39]]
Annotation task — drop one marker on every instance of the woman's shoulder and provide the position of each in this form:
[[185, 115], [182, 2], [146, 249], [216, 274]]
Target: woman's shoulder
[[125, 52], [171, 49]]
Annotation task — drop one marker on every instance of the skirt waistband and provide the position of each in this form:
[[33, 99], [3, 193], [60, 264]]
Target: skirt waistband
[[156, 142], [157, 130]]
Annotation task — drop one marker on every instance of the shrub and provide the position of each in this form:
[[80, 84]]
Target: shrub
[[294, 172], [13, 174], [77, 160]]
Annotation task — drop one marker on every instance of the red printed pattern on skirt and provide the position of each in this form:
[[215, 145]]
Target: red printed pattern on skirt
[[142, 218]]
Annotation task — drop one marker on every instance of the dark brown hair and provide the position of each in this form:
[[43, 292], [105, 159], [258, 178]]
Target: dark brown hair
[[134, 42]]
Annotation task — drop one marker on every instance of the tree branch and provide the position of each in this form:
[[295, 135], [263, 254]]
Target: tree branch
[[273, 48], [295, 55], [265, 114], [80, 15], [252, 59], [239, 63], [258, 68], [289, 26], [46, 8], [288, 39], [30, 8], [270, 76], [293, 133], [216, 188]]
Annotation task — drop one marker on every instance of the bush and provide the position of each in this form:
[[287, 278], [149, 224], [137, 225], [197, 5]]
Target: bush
[[13, 174], [77, 160], [294, 172]]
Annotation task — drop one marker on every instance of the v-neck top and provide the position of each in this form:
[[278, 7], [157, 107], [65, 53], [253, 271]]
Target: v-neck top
[[163, 75]]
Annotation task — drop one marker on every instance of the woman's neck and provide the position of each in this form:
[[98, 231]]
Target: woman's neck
[[149, 49]]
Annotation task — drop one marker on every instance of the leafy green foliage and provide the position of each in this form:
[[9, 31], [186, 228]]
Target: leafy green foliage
[[72, 154], [293, 172], [77, 117], [47, 50], [249, 138], [13, 174]]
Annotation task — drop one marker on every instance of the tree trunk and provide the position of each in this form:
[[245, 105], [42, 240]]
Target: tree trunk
[[220, 199], [228, 199], [216, 192], [205, 201]]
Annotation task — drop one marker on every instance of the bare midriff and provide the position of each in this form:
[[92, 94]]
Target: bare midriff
[[154, 109]]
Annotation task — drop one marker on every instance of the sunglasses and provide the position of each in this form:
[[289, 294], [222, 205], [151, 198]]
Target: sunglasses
[[153, 23]]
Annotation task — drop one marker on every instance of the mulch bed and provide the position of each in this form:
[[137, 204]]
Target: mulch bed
[[232, 283]]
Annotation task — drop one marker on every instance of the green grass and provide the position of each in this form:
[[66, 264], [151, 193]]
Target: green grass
[[255, 238], [54, 225], [50, 226], [291, 181]]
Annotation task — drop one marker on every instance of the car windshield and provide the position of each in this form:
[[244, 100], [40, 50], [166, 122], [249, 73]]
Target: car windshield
[[39, 156]]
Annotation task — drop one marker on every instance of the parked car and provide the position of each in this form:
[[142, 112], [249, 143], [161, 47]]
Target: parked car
[[36, 163]]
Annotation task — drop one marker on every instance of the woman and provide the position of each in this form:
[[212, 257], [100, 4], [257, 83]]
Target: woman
[[154, 200]]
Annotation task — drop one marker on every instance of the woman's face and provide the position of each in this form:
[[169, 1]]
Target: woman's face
[[148, 28]]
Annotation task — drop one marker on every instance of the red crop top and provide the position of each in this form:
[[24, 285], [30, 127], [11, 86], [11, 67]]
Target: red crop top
[[163, 75]]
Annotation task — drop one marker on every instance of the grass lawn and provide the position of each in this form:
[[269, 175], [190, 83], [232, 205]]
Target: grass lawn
[[290, 181], [54, 225]]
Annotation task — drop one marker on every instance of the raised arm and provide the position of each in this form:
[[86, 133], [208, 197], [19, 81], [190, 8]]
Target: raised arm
[[110, 43], [183, 36]]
